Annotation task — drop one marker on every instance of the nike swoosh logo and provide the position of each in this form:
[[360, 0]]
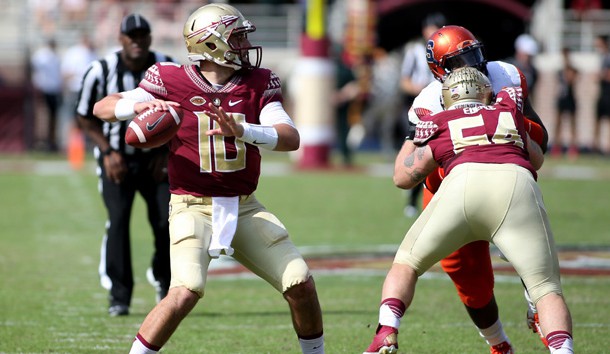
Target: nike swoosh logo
[[151, 127], [258, 143], [231, 103]]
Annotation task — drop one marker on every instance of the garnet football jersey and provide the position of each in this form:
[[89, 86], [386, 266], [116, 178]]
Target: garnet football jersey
[[212, 166], [429, 100], [482, 134]]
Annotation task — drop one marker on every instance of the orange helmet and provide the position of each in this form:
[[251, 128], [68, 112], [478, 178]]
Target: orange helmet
[[453, 47]]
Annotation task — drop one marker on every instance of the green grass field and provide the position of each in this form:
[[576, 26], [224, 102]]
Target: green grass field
[[51, 301]]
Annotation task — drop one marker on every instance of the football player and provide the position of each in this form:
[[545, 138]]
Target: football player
[[232, 110], [489, 194], [470, 267]]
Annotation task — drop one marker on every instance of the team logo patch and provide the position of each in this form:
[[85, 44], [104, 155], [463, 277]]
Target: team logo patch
[[430, 53], [455, 93], [198, 100], [216, 102]]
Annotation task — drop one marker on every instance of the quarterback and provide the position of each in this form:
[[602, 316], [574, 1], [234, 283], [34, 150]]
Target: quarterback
[[232, 109]]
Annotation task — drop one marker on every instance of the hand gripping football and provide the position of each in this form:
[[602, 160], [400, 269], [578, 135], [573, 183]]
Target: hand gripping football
[[152, 128]]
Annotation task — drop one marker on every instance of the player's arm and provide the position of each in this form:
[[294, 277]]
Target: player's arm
[[276, 132], [126, 105], [535, 131], [535, 153], [407, 147], [541, 135], [412, 165], [273, 114]]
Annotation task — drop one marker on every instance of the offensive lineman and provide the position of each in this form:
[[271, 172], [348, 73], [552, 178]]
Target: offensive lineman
[[449, 48], [489, 193]]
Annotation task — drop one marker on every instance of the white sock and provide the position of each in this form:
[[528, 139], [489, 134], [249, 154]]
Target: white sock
[[566, 348], [138, 348], [312, 346], [387, 317], [494, 334]]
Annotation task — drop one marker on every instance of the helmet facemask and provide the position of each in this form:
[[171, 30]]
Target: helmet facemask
[[239, 54], [471, 56]]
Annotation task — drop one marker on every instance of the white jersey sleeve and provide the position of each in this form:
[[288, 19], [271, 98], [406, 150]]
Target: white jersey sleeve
[[427, 102], [274, 113], [138, 94]]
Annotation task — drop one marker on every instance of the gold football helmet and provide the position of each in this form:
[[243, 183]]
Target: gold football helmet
[[218, 33], [466, 85]]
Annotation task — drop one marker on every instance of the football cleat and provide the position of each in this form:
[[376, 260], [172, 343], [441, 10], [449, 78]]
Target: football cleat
[[384, 342], [534, 324], [502, 348]]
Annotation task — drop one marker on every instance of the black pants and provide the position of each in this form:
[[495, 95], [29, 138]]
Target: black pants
[[116, 263]]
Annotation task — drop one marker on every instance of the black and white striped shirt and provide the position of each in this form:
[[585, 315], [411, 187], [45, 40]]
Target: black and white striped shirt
[[106, 76]]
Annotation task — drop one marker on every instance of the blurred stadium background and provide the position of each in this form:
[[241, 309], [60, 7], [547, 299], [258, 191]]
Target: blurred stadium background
[[358, 25]]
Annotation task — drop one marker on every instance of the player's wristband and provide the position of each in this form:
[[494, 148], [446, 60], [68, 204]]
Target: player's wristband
[[260, 135], [124, 109]]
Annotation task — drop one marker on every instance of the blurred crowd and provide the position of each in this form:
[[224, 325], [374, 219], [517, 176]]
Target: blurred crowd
[[74, 33], [99, 18], [77, 31]]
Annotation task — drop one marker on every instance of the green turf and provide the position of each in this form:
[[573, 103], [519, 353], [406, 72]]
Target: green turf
[[51, 301]]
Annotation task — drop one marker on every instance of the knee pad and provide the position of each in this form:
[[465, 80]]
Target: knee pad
[[296, 273], [190, 239]]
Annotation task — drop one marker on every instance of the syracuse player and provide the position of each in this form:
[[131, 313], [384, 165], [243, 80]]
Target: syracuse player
[[470, 268]]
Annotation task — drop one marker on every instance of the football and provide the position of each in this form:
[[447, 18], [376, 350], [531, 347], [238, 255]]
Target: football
[[153, 128]]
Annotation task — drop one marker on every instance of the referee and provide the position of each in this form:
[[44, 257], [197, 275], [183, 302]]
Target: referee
[[124, 170]]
